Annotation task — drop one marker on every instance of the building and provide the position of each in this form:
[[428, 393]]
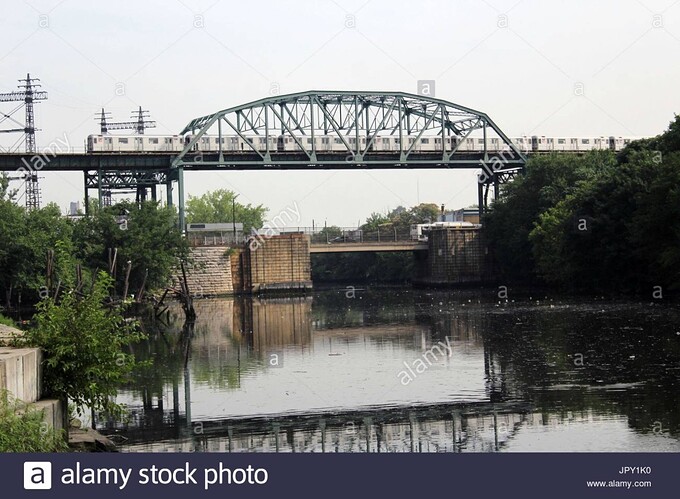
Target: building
[[463, 215]]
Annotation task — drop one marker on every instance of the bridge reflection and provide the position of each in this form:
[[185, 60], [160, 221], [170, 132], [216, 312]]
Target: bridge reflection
[[338, 389]]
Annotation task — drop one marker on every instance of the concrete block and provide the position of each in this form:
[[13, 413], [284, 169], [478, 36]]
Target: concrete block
[[53, 412], [21, 373]]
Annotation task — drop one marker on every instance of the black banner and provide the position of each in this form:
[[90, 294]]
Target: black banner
[[339, 475]]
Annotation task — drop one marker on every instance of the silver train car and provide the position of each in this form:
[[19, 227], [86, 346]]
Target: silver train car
[[333, 143]]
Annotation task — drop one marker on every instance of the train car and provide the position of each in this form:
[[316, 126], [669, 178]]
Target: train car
[[619, 143], [333, 143], [134, 143]]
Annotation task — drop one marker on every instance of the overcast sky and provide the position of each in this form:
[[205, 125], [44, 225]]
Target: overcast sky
[[560, 68]]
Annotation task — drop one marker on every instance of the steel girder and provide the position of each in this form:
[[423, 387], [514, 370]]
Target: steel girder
[[132, 179], [346, 115]]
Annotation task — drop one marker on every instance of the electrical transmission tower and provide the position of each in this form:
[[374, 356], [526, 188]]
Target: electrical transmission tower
[[141, 124], [28, 95]]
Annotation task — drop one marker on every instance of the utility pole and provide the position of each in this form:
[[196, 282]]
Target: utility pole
[[140, 124]]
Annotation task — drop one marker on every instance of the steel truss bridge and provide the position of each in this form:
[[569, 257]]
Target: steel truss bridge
[[354, 121]]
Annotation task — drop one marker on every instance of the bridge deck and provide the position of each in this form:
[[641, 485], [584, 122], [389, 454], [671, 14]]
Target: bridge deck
[[121, 161]]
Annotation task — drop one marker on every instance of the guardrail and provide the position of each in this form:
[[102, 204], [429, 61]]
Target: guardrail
[[332, 235], [318, 235]]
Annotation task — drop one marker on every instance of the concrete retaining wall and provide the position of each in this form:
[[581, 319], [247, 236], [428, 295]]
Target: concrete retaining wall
[[21, 376]]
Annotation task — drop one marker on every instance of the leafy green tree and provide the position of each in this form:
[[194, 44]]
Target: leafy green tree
[[219, 206], [584, 241], [656, 225], [547, 181], [594, 222], [374, 221], [25, 238], [83, 342], [144, 234]]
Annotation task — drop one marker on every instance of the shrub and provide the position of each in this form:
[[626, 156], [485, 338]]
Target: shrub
[[83, 342]]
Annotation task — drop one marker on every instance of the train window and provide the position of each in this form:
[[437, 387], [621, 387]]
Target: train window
[[352, 141], [585, 141], [262, 140], [437, 141], [561, 141], [153, 140], [337, 141], [108, 140], [480, 141], [123, 140], [425, 141], [309, 141]]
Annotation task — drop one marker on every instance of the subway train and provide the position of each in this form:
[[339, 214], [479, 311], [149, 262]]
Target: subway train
[[333, 143]]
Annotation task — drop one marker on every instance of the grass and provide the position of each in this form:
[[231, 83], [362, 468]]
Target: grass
[[23, 430], [6, 321]]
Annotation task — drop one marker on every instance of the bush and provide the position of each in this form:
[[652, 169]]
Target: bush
[[83, 342], [23, 430]]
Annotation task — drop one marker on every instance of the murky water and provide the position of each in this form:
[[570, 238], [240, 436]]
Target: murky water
[[402, 370]]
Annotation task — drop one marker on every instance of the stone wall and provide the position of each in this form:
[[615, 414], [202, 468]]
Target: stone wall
[[211, 272], [455, 256], [279, 263]]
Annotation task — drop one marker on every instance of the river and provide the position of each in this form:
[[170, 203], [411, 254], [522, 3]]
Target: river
[[406, 370]]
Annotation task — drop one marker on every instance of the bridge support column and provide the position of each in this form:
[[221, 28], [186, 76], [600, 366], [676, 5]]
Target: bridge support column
[[168, 188], [87, 195], [480, 199], [99, 189], [180, 194]]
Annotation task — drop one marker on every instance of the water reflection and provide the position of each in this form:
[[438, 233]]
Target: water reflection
[[322, 374]]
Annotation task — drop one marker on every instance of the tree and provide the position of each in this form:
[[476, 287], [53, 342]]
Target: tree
[[144, 234], [25, 238], [595, 222], [592, 231], [374, 221], [216, 207], [547, 181]]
